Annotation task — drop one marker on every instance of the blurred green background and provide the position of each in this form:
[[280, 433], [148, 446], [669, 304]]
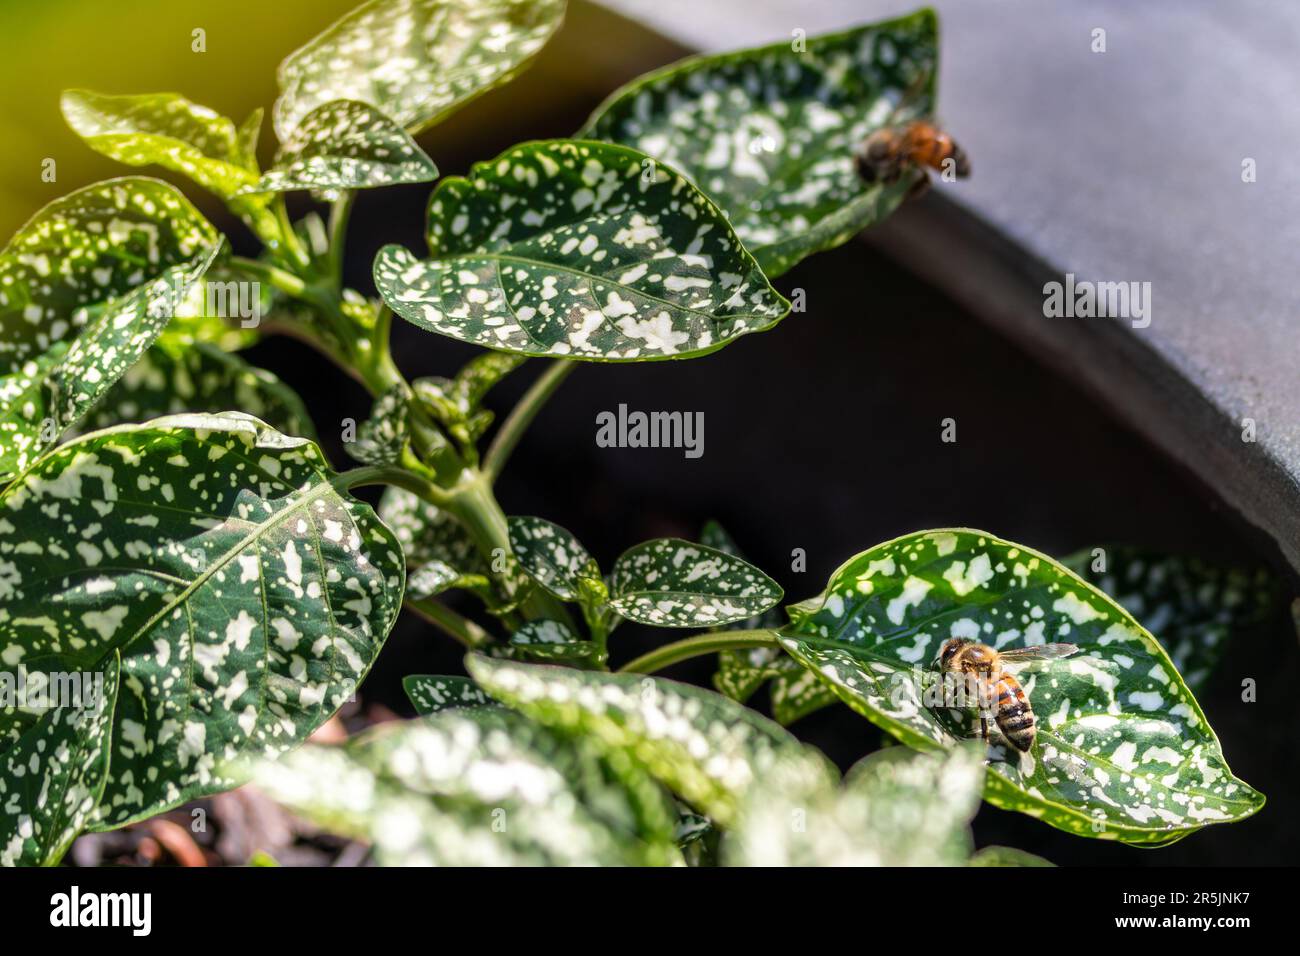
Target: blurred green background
[[145, 46]]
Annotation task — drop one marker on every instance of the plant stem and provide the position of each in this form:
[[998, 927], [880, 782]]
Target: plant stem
[[698, 646], [277, 278], [338, 228], [394, 475], [513, 428], [448, 621], [289, 238]]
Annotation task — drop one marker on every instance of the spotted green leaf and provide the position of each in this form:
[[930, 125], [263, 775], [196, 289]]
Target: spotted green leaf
[[344, 144], [769, 133], [895, 808], [582, 250], [431, 693], [430, 537], [479, 787], [1123, 750], [86, 285], [198, 377], [704, 747], [245, 591], [1006, 856], [382, 437], [669, 582], [53, 774], [552, 556], [544, 640], [1191, 605], [167, 130], [416, 60]]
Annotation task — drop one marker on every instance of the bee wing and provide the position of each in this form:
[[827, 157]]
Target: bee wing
[[1040, 652]]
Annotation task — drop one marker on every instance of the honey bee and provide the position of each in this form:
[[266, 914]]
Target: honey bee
[[884, 155], [1010, 706]]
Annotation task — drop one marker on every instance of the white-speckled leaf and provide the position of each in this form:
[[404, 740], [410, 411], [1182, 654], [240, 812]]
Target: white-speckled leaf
[[431, 693], [581, 250], [1191, 605], [246, 593], [344, 144], [53, 776], [669, 582], [769, 133], [167, 130], [896, 807], [199, 377], [1123, 750], [552, 556], [430, 537], [707, 748], [479, 787], [382, 437], [85, 288], [416, 60], [544, 640]]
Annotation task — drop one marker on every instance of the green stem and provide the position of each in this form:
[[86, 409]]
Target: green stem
[[474, 505], [288, 238], [513, 428], [448, 621], [393, 475], [277, 278], [698, 646], [338, 227]]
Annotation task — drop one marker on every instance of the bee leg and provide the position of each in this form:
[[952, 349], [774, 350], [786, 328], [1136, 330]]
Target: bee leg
[[919, 188]]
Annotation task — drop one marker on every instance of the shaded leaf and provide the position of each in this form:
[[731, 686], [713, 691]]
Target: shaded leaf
[[344, 144], [53, 775], [381, 438], [550, 641], [415, 60], [167, 130], [580, 250], [1123, 750], [769, 133], [706, 748], [172, 378], [896, 807], [552, 556], [1192, 606], [481, 787], [432, 693], [1007, 856], [429, 535], [456, 402], [246, 594], [669, 582]]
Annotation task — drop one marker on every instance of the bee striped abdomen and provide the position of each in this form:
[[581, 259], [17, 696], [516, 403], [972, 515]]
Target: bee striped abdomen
[[1015, 718]]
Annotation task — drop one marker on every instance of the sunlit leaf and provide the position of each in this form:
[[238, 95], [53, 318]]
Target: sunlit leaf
[[669, 582], [167, 130], [415, 60], [706, 748], [480, 787], [895, 808], [246, 593], [544, 640], [1123, 750], [769, 133], [456, 403], [581, 250], [85, 288], [344, 144]]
